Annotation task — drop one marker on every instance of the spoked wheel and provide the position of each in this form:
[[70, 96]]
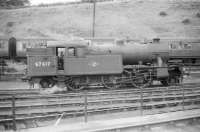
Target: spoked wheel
[[47, 83], [141, 80], [74, 84], [111, 82]]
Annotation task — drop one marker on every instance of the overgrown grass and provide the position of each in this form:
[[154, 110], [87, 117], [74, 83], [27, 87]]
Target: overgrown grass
[[198, 15], [10, 24], [186, 21], [163, 13]]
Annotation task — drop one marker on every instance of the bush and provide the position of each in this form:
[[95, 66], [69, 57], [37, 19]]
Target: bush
[[186, 21], [162, 13], [198, 15], [14, 3], [10, 24]]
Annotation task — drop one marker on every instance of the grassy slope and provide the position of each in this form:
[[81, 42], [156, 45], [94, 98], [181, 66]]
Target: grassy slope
[[135, 19]]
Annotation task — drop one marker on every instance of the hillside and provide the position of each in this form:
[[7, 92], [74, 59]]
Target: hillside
[[134, 19]]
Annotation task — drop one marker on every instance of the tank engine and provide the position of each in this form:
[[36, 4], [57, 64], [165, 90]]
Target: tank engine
[[78, 66]]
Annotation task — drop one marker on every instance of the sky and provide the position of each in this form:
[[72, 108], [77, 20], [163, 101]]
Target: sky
[[36, 2]]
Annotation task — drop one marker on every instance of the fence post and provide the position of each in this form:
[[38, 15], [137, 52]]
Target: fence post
[[13, 113], [85, 108], [183, 97], [141, 101], [2, 68]]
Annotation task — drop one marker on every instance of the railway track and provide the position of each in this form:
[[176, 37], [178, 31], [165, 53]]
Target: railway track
[[148, 101]]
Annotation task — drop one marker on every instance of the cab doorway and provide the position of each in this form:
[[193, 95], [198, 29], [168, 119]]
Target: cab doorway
[[60, 53]]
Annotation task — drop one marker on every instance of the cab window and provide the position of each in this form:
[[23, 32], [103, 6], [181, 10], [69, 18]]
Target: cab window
[[60, 51], [71, 52]]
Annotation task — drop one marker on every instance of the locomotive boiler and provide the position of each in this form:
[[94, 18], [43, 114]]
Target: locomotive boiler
[[112, 65], [134, 52], [167, 58]]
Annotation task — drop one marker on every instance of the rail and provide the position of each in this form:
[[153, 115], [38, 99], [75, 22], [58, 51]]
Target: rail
[[56, 107]]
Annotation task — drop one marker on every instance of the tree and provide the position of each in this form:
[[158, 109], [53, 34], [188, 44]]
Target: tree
[[14, 3]]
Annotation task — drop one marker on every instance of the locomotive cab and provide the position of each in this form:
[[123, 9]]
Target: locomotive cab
[[70, 51]]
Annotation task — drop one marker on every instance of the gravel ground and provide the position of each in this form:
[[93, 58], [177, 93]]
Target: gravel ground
[[13, 85], [181, 126]]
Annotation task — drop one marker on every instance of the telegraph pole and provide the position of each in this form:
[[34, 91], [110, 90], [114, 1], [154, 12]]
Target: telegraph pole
[[94, 13]]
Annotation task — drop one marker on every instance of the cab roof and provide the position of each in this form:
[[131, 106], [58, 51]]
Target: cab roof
[[67, 43]]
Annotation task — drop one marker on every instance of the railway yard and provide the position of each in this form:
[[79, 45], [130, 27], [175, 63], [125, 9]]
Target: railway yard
[[100, 66], [24, 109], [127, 109]]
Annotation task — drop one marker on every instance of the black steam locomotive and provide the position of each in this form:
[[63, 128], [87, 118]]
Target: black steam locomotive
[[112, 65]]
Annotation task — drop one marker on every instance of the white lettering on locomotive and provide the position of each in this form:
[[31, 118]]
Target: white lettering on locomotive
[[93, 64], [42, 64]]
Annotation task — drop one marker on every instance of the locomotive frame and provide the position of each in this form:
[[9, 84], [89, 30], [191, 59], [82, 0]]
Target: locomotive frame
[[123, 62]]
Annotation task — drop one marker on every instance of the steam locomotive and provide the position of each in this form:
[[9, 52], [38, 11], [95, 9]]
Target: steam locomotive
[[111, 65]]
